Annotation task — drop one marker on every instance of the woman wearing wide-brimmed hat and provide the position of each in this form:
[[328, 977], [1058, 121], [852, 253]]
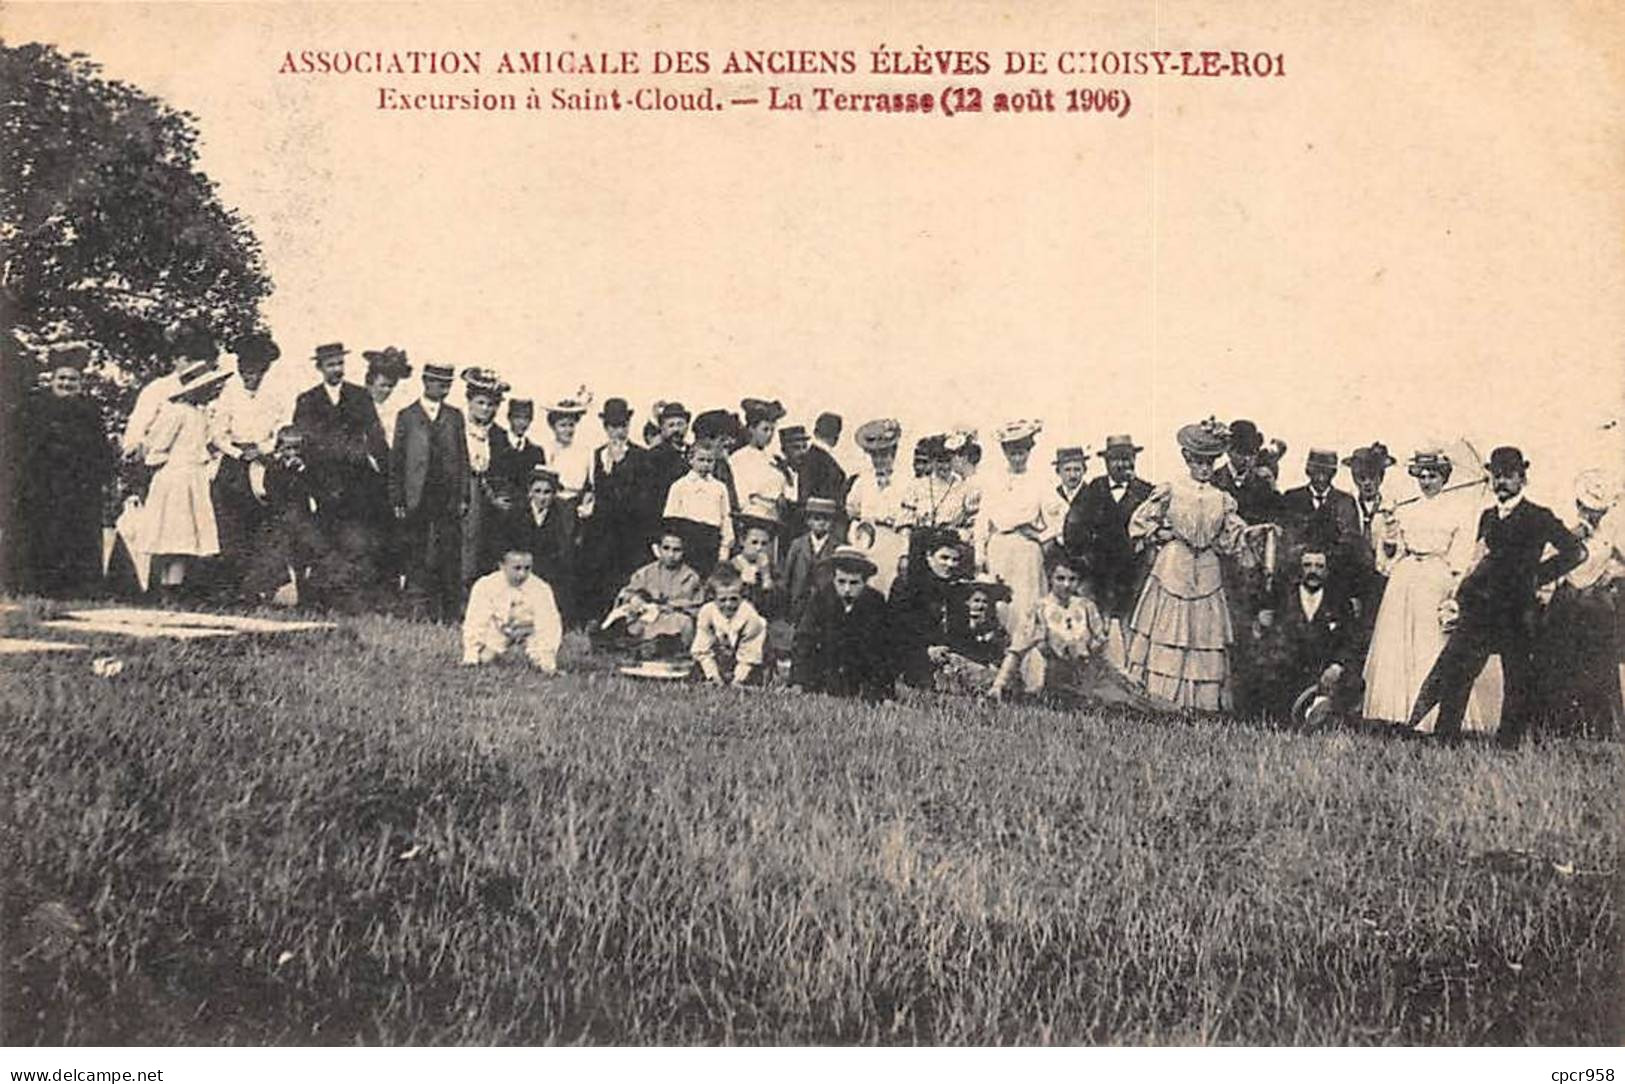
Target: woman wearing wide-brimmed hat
[[1179, 635], [1011, 520], [179, 512], [1422, 546]]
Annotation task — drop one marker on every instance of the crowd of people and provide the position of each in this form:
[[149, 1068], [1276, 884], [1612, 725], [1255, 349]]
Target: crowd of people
[[730, 547]]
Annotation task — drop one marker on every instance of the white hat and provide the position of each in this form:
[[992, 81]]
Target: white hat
[[1593, 491], [1017, 431]]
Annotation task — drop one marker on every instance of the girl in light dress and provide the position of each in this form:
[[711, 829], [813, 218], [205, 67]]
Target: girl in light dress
[[1057, 641], [1179, 635], [1423, 546], [177, 517]]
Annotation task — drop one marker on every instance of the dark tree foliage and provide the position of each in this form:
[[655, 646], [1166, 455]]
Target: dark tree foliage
[[110, 233]]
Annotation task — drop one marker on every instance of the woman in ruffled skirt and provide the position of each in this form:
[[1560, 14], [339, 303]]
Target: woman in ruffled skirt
[[1179, 635]]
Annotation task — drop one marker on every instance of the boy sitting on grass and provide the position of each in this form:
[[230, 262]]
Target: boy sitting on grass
[[730, 637], [841, 645], [658, 603], [511, 611]]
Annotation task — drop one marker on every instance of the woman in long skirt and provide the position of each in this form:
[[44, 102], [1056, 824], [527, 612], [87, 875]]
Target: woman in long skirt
[[1011, 522], [1423, 547], [66, 463], [179, 509], [1179, 635]]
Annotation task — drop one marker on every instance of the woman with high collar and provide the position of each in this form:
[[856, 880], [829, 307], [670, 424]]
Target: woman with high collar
[[1423, 546], [489, 495], [179, 525], [565, 453], [1180, 635], [874, 502], [615, 536], [66, 463], [1011, 521]]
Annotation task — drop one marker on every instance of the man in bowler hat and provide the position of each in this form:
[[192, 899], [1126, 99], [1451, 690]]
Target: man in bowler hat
[[1494, 609]]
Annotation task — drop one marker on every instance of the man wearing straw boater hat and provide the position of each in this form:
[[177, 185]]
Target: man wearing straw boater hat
[[1494, 609], [427, 471], [1096, 531]]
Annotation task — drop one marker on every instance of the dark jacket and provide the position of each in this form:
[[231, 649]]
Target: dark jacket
[[818, 475], [804, 571], [844, 653], [521, 463], [1296, 649], [430, 457], [1256, 499], [922, 610], [344, 446], [1096, 532], [552, 546], [1498, 595]]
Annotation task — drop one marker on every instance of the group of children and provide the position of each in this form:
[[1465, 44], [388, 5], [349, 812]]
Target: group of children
[[819, 625]]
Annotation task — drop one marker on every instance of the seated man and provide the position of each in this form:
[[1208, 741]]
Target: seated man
[[1310, 636], [730, 637], [657, 605], [511, 609], [841, 640]]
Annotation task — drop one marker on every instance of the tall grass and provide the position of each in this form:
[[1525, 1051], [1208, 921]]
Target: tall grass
[[348, 839]]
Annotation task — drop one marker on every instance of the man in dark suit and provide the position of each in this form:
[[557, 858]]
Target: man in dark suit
[[842, 643], [524, 455], [428, 487], [1321, 511], [1367, 466], [1311, 636], [1245, 473], [1495, 604], [1096, 531], [668, 455], [817, 472], [344, 447], [545, 527]]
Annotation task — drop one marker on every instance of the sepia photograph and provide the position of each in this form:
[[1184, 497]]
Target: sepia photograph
[[1086, 524]]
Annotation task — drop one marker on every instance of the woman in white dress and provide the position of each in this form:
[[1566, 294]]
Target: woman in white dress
[[1011, 521], [178, 514], [1180, 634], [874, 504], [1423, 546]]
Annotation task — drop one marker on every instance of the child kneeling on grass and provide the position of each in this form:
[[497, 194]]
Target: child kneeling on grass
[[656, 607], [730, 637], [511, 610]]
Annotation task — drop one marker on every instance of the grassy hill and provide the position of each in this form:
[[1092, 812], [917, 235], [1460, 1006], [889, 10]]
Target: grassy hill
[[346, 838]]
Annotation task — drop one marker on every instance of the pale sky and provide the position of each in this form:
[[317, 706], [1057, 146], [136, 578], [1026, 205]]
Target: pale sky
[[1418, 232]]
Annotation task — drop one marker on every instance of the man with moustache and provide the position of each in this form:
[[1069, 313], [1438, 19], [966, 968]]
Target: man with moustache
[[1096, 530], [428, 487], [1494, 609]]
